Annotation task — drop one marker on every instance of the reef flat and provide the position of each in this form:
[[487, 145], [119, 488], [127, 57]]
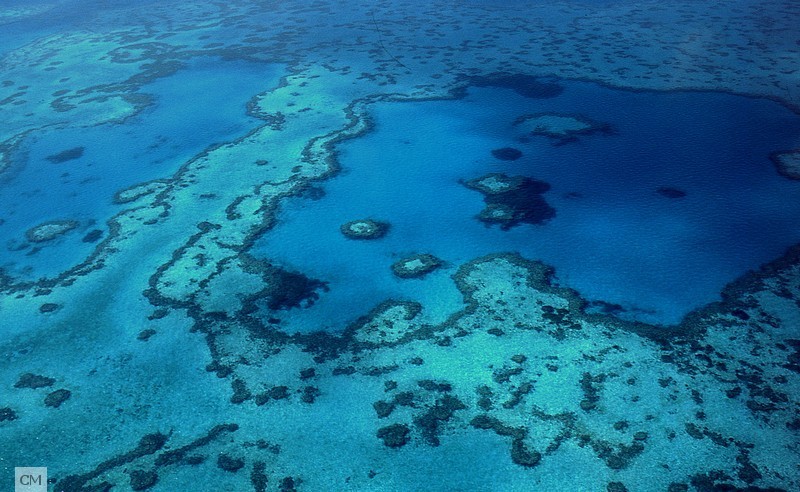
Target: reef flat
[[159, 355]]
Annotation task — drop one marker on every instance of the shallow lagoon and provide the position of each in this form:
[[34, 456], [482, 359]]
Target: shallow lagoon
[[151, 145], [615, 238]]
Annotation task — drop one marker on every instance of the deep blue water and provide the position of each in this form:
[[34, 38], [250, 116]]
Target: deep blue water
[[614, 237], [193, 109]]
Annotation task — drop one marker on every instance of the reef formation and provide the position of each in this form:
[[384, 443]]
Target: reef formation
[[365, 229], [512, 200], [155, 354]]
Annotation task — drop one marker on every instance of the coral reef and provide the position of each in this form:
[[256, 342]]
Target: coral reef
[[394, 436], [143, 479], [47, 231], [563, 128], [57, 398], [511, 201], [33, 381], [365, 229], [7, 414], [505, 390], [416, 265]]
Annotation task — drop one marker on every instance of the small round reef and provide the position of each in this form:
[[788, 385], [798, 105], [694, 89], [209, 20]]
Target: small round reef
[[416, 266], [365, 229], [48, 231]]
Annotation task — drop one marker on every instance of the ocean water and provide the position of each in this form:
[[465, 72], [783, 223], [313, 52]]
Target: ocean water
[[210, 93], [224, 334], [614, 237]]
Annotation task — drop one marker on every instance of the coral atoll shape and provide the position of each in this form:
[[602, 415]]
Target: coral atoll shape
[[365, 229]]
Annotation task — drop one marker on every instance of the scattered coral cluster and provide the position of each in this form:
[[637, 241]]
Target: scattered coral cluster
[[158, 358]]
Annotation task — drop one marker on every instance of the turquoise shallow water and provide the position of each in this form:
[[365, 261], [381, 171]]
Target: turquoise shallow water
[[199, 106], [614, 237], [156, 370]]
